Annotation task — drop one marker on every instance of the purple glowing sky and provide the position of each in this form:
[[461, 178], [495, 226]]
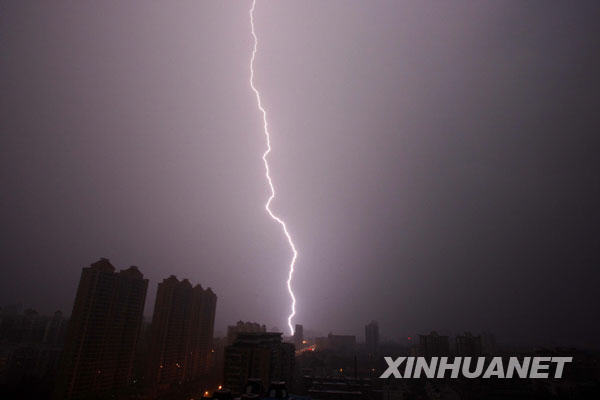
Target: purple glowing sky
[[436, 161]]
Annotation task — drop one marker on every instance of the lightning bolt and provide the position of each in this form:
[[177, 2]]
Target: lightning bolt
[[268, 172]]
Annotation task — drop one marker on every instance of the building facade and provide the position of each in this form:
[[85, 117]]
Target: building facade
[[181, 334], [258, 355], [241, 326], [102, 332]]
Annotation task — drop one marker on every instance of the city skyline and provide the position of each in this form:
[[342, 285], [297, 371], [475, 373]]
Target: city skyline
[[189, 299], [436, 164]]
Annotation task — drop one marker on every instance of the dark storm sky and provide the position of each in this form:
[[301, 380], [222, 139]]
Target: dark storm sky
[[437, 162]]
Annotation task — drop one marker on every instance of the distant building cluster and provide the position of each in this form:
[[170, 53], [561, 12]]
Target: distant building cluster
[[465, 344], [30, 346], [433, 345], [339, 343], [107, 350]]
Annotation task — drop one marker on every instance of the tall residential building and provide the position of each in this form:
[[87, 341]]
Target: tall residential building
[[298, 336], [258, 355], [181, 334], [102, 332], [372, 337]]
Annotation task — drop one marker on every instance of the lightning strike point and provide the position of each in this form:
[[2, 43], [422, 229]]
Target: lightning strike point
[[268, 174]]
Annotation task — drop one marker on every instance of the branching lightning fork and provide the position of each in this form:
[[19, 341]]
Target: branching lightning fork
[[267, 171]]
